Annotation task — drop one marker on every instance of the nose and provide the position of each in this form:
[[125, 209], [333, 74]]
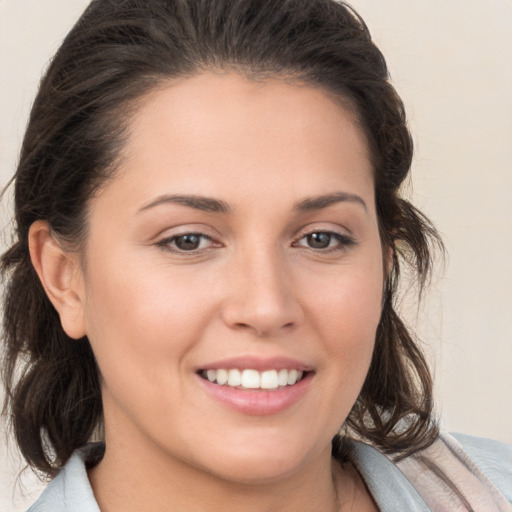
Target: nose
[[262, 299]]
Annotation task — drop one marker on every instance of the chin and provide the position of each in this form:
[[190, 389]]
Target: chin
[[258, 471], [262, 463]]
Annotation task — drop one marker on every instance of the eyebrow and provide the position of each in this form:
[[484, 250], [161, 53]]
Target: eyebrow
[[206, 204], [323, 201], [209, 204]]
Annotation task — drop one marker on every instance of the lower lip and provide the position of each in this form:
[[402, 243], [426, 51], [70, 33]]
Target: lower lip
[[258, 402]]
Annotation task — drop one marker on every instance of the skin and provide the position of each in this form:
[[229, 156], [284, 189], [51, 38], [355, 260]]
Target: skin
[[254, 287]]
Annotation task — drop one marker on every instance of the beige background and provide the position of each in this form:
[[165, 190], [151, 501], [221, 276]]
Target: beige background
[[451, 61]]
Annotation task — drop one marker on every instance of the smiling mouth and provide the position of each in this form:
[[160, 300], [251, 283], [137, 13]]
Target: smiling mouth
[[253, 379]]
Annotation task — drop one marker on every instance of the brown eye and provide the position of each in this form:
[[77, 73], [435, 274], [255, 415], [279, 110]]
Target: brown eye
[[325, 241], [319, 240], [188, 242]]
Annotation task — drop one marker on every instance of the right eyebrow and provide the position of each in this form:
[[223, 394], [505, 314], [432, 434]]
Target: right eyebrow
[[206, 204], [324, 201]]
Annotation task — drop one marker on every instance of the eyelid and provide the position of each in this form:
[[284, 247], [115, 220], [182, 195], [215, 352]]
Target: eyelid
[[324, 227], [170, 230]]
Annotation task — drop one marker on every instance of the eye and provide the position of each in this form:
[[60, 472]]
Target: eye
[[187, 242], [325, 240]]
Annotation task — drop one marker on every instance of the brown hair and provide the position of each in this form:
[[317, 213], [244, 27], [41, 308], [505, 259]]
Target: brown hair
[[117, 52]]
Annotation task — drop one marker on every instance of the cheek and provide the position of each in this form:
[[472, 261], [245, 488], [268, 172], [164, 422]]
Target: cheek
[[142, 324], [346, 313], [351, 301]]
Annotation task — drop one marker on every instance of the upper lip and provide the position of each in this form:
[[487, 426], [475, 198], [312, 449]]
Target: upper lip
[[258, 363]]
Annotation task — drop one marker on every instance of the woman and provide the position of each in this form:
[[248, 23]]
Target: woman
[[209, 234]]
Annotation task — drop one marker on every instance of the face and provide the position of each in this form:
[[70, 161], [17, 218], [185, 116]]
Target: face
[[239, 241]]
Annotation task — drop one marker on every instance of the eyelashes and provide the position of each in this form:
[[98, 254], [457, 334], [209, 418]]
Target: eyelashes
[[325, 241], [318, 241], [188, 243]]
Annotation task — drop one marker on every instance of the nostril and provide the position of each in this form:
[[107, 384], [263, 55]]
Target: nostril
[[241, 325], [262, 330], [260, 317]]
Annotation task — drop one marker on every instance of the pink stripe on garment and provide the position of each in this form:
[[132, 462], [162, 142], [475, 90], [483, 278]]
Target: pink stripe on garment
[[448, 456]]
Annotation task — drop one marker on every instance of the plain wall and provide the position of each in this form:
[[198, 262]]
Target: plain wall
[[451, 62]]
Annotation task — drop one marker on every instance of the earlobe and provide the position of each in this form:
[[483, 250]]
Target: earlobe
[[61, 277]]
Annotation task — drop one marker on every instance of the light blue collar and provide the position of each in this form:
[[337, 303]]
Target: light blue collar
[[71, 490]]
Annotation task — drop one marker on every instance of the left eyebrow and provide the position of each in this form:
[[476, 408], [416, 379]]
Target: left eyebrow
[[319, 202], [206, 204]]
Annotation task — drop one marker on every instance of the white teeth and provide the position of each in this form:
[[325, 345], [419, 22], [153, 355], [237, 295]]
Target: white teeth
[[234, 378], [292, 377], [282, 378], [253, 379], [269, 380], [222, 377]]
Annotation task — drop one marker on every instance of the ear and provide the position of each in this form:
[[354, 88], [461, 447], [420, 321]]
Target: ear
[[61, 276]]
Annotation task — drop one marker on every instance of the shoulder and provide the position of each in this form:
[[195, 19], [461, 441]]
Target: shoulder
[[457, 472], [492, 457], [462, 472], [389, 487], [70, 490]]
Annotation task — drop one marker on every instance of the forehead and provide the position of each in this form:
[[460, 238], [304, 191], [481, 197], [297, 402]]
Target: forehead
[[226, 134]]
